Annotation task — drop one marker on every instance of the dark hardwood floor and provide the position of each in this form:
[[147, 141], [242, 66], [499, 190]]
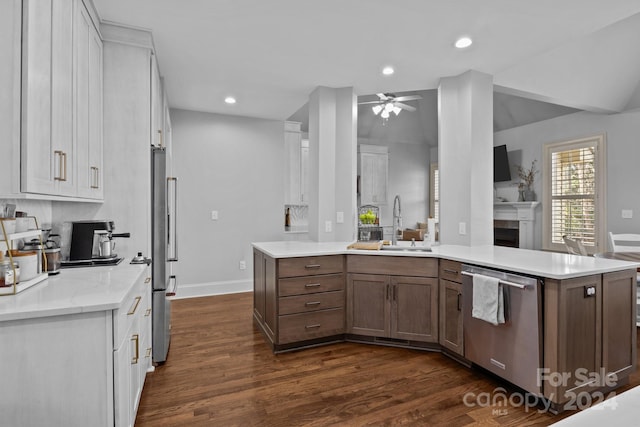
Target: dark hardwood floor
[[221, 372]]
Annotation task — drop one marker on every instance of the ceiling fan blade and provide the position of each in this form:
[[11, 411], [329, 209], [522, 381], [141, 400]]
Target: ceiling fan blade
[[369, 102], [404, 106], [382, 96], [408, 98]]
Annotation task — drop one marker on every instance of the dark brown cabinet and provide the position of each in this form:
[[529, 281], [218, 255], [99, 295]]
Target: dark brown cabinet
[[589, 334], [451, 327], [298, 299], [387, 305]]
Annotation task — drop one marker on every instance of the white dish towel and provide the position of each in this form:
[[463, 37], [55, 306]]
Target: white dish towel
[[488, 299]]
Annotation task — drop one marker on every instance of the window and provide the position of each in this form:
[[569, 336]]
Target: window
[[434, 192], [573, 189]]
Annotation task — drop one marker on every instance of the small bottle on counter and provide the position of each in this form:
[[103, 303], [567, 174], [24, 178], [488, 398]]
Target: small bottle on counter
[[287, 218]]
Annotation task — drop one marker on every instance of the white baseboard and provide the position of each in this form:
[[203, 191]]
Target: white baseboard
[[213, 288]]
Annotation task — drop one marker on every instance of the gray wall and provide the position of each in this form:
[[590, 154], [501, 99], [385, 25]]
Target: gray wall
[[622, 150], [233, 165]]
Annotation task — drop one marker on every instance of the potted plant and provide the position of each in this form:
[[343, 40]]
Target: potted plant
[[527, 177]]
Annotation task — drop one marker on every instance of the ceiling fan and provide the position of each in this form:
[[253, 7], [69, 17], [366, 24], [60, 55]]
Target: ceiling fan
[[389, 102]]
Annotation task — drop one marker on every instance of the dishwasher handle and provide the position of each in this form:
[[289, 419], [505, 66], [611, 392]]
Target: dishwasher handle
[[504, 282]]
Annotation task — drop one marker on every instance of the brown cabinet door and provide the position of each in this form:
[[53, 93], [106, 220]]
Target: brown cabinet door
[[618, 323], [271, 297], [451, 332], [414, 308], [368, 308], [572, 335], [258, 285]]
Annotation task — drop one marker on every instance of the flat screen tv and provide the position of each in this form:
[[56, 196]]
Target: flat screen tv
[[501, 169]]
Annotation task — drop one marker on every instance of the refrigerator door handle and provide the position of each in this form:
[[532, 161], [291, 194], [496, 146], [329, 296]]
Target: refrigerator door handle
[[172, 212], [171, 290]]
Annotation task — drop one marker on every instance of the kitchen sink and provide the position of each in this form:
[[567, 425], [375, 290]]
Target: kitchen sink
[[402, 248]]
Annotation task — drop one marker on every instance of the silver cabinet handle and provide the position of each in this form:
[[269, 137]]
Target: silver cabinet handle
[[312, 266], [171, 292], [312, 326], [446, 270], [312, 285], [172, 232], [311, 303]]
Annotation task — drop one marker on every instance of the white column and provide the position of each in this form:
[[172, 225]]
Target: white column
[[465, 159], [332, 163]]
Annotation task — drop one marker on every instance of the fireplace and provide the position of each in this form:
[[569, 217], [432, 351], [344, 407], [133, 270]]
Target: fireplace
[[513, 224], [506, 233]]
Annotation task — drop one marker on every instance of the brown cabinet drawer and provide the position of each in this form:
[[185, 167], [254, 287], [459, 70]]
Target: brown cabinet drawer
[[392, 265], [451, 270], [307, 266], [311, 302], [310, 284], [306, 326]]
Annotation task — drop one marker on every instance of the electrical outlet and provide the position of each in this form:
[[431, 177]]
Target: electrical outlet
[[243, 265], [327, 226], [214, 215], [627, 213], [339, 217], [462, 228]]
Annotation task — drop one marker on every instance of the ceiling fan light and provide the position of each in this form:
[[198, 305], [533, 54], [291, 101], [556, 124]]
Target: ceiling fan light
[[384, 114], [463, 42], [376, 109], [397, 110], [388, 107]]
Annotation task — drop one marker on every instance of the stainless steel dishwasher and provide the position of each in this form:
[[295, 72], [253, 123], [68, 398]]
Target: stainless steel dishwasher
[[512, 350]]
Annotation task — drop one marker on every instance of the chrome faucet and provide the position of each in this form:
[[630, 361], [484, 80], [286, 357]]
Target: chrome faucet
[[397, 219]]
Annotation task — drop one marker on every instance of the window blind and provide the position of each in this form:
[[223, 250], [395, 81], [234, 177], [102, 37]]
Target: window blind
[[573, 194]]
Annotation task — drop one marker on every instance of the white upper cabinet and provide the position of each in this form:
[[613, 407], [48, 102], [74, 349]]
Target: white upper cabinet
[[61, 103], [296, 165], [157, 106], [374, 174], [88, 106]]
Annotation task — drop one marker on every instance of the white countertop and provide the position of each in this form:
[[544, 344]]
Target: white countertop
[[74, 290], [553, 265]]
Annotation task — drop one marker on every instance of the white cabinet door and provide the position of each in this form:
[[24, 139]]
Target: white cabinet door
[[292, 140], [304, 172], [47, 91], [157, 106], [88, 108], [374, 170], [37, 151]]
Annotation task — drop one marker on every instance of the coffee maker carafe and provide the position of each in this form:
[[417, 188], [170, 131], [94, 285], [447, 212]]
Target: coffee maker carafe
[[103, 244]]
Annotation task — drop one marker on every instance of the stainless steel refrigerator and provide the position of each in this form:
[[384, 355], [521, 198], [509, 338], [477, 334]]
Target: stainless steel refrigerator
[[164, 251]]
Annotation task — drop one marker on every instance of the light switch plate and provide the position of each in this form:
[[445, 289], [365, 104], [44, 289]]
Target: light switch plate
[[327, 226], [214, 215], [243, 265], [462, 228], [627, 213], [339, 217]]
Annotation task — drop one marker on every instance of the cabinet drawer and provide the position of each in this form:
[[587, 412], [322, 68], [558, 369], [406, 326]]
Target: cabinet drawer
[[135, 305], [451, 270], [392, 265], [311, 302], [310, 284], [307, 266], [306, 326]]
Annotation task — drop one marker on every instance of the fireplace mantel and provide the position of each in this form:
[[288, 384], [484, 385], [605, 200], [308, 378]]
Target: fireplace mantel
[[524, 213]]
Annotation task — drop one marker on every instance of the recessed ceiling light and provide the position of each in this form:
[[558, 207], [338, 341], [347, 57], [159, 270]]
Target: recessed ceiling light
[[387, 71], [230, 100], [463, 42]]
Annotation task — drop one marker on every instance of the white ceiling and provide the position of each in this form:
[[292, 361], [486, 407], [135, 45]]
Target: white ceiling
[[270, 54]]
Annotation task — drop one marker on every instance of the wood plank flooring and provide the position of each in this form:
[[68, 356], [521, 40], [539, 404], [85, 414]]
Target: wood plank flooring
[[221, 372]]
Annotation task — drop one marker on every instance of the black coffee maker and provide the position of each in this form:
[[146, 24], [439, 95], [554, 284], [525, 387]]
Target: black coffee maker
[[84, 241]]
